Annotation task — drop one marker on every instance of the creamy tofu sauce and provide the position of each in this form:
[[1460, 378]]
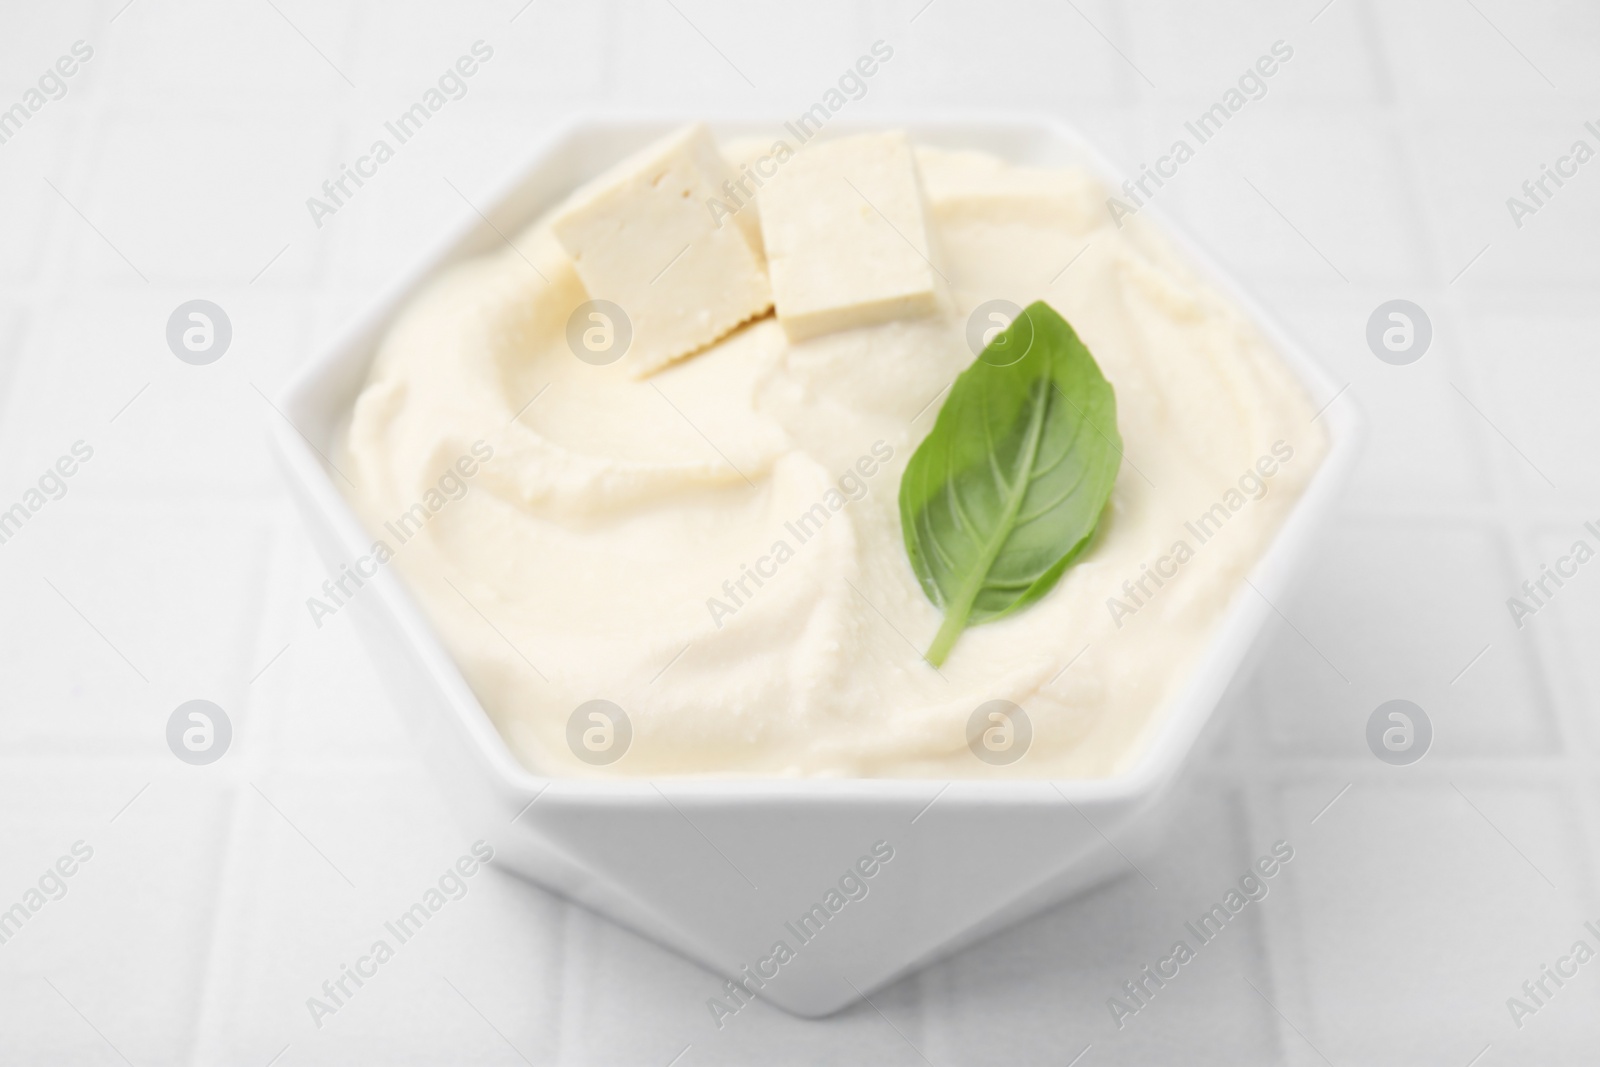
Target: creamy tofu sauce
[[716, 549]]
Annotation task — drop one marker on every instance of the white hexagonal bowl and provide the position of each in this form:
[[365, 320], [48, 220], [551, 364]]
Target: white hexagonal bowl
[[715, 868]]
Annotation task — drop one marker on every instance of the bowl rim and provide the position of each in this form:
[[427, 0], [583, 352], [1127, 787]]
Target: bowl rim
[[1165, 741]]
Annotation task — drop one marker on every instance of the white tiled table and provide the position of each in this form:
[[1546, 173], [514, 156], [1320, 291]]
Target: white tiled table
[[218, 899]]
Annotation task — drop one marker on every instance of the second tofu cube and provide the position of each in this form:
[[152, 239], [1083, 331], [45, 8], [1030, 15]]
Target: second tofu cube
[[846, 236]]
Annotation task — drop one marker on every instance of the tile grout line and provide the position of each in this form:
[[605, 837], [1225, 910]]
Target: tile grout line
[[233, 891]]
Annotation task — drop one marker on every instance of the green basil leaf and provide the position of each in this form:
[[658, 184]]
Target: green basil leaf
[[1008, 487]]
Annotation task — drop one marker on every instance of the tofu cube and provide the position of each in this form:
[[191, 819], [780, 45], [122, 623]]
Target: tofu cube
[[847, 237], [645, 236]]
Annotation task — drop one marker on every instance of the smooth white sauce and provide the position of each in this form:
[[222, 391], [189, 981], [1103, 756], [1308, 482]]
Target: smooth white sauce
[[587, 548]]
